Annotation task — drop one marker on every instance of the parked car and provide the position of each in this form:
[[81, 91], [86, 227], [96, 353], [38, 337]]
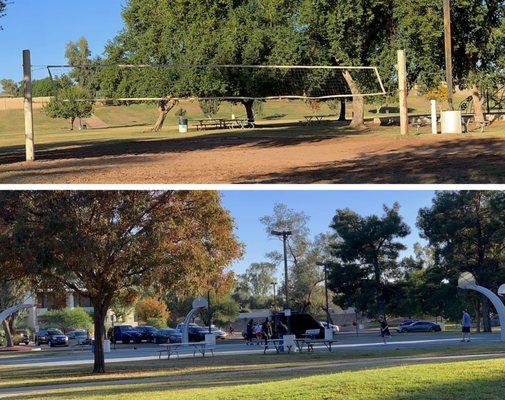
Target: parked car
[[79, 336], [334, 328], [147, 333], [419, 326], [220, 334], [124, 334], [408, 322], [41, 337], [168, 335], [21, 336], [52, 337], [196, 333]]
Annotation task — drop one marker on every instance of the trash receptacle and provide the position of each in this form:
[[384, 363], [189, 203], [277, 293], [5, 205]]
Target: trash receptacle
[[183, 125], [106, 346], [451, 122]]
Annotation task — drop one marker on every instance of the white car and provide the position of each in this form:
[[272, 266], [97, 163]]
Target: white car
[[335, 328]]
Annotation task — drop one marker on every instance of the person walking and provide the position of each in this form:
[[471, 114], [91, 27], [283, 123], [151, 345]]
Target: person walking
[[249, 332], [231, 331], [283, 331], [466, 327], [385, 333], [267, 330]]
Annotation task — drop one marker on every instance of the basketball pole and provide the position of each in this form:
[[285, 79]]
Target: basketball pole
[[402, 92], [28, 106]]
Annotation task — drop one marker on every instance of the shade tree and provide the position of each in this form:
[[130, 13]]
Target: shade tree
[[366, 251], [100, 243]]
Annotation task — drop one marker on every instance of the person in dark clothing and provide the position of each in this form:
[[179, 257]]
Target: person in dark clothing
[[385, 333], [267, 330], [249, 332]]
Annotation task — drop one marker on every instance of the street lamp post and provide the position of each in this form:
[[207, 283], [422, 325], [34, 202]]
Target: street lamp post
[[448, 52], [274, 284], [284, 235], [325, 266]]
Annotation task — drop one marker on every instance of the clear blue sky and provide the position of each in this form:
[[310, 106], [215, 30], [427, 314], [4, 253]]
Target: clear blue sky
[[45, 27], [248, 206]]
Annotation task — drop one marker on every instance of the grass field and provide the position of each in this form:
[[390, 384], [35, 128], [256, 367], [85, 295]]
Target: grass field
[[405, 374], [280, 150]]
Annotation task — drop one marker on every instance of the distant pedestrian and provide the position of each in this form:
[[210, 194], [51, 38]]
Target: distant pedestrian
[[267, 330], [385, 333], [283, 331], [249, 332], [466, 326], [231, 331]]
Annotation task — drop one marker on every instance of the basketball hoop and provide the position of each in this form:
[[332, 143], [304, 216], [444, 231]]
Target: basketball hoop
[[465, 280]]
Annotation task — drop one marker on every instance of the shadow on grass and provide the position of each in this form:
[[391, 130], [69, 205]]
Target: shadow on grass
[[411, 385], [453, 161], [273, 135]]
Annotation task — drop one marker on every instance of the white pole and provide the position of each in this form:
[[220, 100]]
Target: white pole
[[28, 107], [402, 91], [434, 123]]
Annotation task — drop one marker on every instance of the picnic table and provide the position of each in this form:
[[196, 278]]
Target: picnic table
[[239, 123], [202, 124], [312, 119], [175, 348], [278, 344], [466, 120], [310, 343]]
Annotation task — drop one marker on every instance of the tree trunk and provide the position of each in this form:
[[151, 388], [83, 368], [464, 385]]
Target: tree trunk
[[99, 323], [341, 117], [8, 333], [165, 106], [72, 120], [477, 104], [358, 103], [248, 104], [486, 319]]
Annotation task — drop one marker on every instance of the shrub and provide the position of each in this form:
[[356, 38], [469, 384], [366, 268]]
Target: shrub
[[149, 308], [66, 319]]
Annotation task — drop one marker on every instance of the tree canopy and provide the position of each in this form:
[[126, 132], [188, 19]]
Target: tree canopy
[[102, 244], [366, 250]]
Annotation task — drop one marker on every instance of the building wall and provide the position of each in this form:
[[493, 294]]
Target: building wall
[[17, 103]]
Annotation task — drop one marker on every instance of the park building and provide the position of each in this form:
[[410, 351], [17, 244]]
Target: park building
[[47, 301]]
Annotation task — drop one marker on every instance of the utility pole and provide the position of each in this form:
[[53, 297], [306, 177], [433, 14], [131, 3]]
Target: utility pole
[[28, 106], [274, 284], [403, 92], [285, 235], [325, 266], [448, 52]]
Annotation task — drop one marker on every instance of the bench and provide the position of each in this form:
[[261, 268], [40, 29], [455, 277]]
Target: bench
[[174, 349], [313, 119], [310, 343], [202, 124], [481, 125], [278, 344]]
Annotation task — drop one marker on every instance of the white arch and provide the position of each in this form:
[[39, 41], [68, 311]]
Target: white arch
[[497, 302], [28, 303], [198, 304]]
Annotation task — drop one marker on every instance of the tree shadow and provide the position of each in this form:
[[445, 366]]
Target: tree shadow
[[453, 161], [268, 135]]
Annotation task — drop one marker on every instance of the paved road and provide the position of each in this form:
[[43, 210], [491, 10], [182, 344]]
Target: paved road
[[345, 343]]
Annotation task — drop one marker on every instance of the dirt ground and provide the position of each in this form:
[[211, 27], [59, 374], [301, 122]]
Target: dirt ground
[[271, 155]]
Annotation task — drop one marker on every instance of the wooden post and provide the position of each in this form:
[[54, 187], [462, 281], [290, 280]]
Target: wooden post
[[448, 53], [28, 107], [402, 91]]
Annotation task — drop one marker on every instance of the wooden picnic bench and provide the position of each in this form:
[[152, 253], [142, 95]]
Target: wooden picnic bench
[[315, 119], [310, 343], [202, 124], [174, 349], [278, 344], [466, 120], [239, 123]]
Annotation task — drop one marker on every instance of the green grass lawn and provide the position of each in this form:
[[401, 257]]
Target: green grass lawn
[[362, 374]]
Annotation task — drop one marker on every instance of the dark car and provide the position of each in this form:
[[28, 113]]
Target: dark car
[[196, 333], [168, 335], [124, 334], [22, 336], [52, 337], [419, 326], [147, 333], [41, 337], [299, 324]]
